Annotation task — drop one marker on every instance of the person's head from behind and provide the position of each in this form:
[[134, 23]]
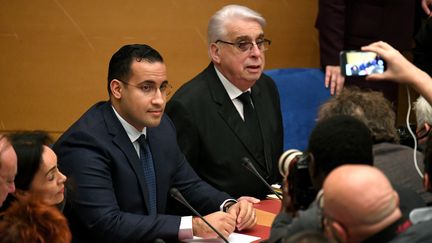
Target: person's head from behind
[[137, 85], [336, 141], [8, 168], [358, 202], [30, 220], [38, 173], [371, 107], [237, 44], [423, 112]]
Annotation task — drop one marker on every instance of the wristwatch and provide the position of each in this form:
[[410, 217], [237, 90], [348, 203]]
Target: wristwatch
[[228, 204]]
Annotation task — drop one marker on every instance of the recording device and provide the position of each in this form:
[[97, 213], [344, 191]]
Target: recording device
[[248, 164], [176, 194], [294, 167], [361, 63]]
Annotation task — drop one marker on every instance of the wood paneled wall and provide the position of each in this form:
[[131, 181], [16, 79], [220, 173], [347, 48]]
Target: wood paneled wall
[[54, 54]]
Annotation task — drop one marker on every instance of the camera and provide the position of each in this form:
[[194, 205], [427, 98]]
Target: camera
[[294, 167], [361, 63]]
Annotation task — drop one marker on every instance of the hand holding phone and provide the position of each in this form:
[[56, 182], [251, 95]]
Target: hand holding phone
[[361, 63]]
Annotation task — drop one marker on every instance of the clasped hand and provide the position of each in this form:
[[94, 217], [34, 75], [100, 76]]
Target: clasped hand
[[239, 216]]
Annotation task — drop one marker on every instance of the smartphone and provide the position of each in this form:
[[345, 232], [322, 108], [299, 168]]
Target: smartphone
[[361, 63]]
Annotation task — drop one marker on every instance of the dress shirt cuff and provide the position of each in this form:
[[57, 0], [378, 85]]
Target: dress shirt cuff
[[229, 203], [185, 231]]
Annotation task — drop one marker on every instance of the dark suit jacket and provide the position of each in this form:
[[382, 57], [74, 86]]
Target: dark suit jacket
[[213, 137], [422, 53], [108, 197]]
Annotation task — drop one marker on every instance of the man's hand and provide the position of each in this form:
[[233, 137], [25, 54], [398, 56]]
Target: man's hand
[[223, 222], [249, 199], [427, 6], [334, 79], [245, 215]]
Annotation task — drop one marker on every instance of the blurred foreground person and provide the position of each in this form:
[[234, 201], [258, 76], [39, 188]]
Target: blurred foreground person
[[31, 220]]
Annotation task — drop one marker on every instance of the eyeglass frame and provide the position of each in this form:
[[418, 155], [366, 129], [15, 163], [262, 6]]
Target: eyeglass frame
[[251, 43], [165, 91]]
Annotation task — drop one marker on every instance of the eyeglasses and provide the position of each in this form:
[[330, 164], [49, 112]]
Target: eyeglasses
[[150, 89], [245, 46]]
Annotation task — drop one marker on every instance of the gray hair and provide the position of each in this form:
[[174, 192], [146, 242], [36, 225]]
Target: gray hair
[[217, 24], [423, 111]]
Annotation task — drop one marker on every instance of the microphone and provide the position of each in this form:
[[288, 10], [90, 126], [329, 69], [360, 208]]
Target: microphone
[[248, 164], [176, 194]]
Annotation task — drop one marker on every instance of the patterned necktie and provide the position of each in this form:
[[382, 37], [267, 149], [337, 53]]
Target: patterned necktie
[[149, 173]]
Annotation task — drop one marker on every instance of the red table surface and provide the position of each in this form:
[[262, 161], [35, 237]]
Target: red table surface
[[271, 206]]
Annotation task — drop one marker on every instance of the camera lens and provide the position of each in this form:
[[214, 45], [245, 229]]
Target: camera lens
[[286, 158]]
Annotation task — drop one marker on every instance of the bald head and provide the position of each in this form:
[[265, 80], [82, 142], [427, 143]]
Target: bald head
[[361, 199], [8, 168]]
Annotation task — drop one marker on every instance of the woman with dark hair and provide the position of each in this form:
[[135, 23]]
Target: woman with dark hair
[[37, 169]]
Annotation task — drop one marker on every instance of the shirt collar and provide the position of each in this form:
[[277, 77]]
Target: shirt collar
[[131, 131], [232, 90]]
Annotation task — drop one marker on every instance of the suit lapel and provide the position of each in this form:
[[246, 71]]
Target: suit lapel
[[229, 113], [122, 141]]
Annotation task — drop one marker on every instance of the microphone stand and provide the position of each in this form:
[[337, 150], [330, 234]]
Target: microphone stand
[[176, 194]]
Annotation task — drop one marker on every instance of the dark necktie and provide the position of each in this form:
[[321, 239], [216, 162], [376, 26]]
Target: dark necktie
[[250, 118], [149, 173]]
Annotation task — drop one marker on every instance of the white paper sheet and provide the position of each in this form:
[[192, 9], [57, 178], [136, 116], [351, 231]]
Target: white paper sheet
[[233, 238]]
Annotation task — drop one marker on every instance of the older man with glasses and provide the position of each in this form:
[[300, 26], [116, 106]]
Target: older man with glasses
[[231, 109]]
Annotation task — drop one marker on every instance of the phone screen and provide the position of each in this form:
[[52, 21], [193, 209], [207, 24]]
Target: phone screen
[[360, 63]]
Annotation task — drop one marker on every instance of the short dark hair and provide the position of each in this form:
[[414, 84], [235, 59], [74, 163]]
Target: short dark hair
[[339, 140], [120, 63]]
